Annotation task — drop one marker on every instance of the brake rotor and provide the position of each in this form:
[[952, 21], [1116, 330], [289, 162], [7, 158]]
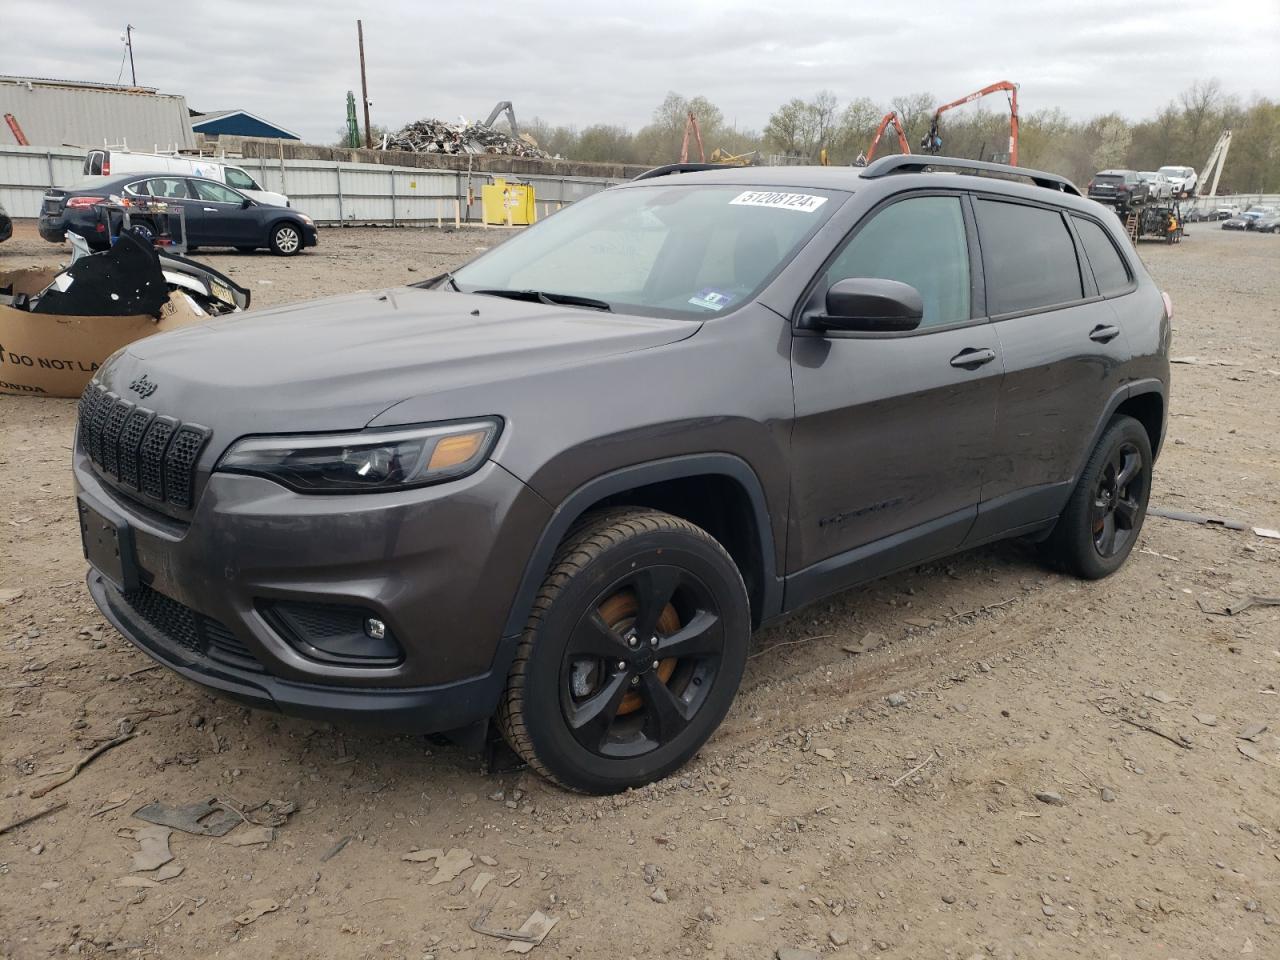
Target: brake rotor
[[619, 612]]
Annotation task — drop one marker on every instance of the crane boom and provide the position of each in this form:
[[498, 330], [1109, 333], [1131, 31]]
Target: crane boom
[[1217, 160], [889, 119], [932, 141], [691, 123]]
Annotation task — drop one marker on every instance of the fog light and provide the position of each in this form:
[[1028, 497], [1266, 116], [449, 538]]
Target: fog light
[[375, 628]]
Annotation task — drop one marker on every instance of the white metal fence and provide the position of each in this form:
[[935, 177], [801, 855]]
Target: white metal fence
[[326, 190]]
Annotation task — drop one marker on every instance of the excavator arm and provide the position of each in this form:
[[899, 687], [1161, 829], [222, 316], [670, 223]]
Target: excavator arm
[[504, 106], [932, 141], [890, 118]]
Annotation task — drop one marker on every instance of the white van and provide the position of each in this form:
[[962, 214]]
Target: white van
[[107, 161]]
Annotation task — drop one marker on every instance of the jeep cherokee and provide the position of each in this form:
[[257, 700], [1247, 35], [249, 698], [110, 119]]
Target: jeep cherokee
[[560, 487]]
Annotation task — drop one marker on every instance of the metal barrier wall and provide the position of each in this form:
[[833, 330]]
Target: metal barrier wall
[[325, 190]]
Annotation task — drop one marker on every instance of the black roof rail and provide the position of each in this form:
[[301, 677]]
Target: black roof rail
[[912, 163], [670, 168]]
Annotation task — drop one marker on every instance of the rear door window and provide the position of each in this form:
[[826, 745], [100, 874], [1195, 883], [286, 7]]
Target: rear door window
[[1028, 256], [168, 188], [93, 164], [918, 241], [1108, 265]]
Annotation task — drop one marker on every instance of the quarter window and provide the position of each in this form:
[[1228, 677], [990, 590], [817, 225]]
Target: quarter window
[[215, 192], [1028, 256], [919, 241], [1108, 266]]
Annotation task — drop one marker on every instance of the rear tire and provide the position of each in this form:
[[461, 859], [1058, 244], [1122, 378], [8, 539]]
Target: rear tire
[[286, 239], [1104, 516], [632, 654]]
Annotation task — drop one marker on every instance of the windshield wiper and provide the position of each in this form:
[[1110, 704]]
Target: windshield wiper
[[559, 299]]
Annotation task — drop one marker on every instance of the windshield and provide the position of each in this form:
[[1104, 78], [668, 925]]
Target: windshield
[[678, 250]]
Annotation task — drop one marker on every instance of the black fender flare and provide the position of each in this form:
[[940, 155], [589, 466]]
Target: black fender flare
[[1135, 388], [639, 475]]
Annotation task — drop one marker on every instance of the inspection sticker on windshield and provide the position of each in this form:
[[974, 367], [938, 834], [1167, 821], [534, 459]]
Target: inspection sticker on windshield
[[804, 202], [711, 299]]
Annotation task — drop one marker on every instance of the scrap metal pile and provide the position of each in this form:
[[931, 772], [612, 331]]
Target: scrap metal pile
[[436, 136]]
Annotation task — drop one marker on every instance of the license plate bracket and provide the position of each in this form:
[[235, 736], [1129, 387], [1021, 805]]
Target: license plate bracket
[[108, 544]]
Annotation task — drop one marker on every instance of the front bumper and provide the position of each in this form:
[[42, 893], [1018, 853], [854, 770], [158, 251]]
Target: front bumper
[[439, 565], [431, 709]]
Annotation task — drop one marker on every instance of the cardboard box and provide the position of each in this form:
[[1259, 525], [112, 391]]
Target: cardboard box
[[48, 355]]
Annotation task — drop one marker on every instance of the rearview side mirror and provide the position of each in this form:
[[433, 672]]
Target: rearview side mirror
[[871, 305], [246, 203]]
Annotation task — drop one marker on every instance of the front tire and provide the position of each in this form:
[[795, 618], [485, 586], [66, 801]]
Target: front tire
[[1104, 516], [632, 654], [286, 239]]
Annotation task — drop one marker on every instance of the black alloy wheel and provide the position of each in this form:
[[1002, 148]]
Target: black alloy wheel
[[635, 670], [1119, 500], [632, 654], [1103, 518]]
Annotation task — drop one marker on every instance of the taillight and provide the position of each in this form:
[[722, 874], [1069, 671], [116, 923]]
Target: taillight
[[106, 168], [1168, 305], [84, 201]]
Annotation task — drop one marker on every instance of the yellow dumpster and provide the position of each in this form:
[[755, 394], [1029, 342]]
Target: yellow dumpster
[[504, 203]]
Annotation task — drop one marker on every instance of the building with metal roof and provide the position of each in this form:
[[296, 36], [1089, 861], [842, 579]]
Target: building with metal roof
[[238, 123], [56, 113]]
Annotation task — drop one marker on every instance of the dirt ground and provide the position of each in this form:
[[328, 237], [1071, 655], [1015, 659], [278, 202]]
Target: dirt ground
[[877, 804]]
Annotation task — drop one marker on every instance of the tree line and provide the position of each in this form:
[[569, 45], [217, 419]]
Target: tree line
[[1182, 134]]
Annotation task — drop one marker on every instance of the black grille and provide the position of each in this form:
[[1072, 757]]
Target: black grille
[[153, 455], [192, 631]]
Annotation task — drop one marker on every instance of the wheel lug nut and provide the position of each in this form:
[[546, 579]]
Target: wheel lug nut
[[633, 641], [655, 664], [635, 681], [653, 641], [622, 664]]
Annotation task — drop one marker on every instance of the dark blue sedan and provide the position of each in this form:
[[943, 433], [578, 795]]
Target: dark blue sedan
[[216, 215]]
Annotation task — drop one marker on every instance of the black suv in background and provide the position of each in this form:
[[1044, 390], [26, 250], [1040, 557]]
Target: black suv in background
[[1119, 186], [215, 214], [560, 487]]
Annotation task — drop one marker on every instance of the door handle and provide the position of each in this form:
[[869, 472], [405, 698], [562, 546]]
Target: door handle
[[1104, 333], [972, 359], [210, 209]]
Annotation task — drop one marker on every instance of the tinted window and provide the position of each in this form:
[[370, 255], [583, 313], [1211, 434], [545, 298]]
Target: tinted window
[[240, 180], [215, 192], [167, 188], [921, 242], [1108, 267], [1028, 255]]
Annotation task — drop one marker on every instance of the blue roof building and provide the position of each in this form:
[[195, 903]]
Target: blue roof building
[[238, 123]]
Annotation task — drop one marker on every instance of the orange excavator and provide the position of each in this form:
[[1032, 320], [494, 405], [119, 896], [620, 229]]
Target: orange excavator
[[890, 118], [932, 142]]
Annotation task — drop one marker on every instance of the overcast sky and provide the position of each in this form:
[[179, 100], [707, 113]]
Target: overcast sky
[[582, 63]]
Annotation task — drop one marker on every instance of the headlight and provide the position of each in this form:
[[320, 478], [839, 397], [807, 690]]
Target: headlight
[[366, 460], [307, 220]]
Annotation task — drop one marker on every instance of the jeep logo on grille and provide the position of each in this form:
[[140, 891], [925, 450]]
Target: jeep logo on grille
[[143, 387]]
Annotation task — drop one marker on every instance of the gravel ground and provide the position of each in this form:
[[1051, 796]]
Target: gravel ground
[[1024, 765]]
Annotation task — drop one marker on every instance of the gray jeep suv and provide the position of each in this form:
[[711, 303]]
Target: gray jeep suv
[[559, 488]]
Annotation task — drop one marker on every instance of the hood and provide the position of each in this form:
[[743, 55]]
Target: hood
[[335, 364]]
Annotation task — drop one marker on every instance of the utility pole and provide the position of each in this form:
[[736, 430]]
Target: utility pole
[[128, 42], [364, 88]]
